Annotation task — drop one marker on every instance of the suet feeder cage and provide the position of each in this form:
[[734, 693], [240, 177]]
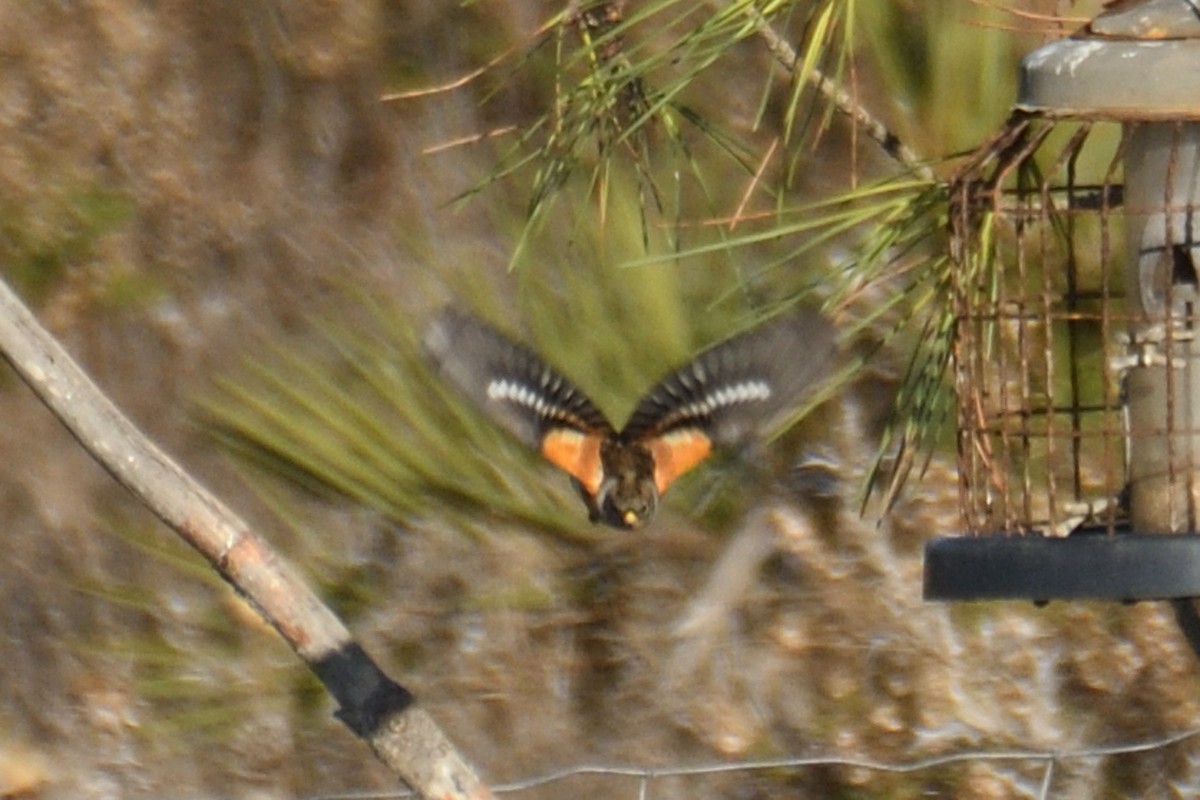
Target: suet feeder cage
[[1075, 234]]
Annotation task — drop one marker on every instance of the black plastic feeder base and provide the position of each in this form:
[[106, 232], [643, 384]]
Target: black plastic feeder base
[[1085, 565]]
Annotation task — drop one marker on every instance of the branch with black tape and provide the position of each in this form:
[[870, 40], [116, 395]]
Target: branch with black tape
[[371, 704]]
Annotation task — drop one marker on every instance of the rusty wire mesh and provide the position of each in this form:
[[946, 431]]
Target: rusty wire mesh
[[1048, 336], [1075, 296]]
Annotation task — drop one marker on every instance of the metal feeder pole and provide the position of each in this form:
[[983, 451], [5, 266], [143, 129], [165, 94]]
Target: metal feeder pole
[[1162, 184]]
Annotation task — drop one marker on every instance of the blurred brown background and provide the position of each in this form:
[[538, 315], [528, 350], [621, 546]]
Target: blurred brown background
[[186, 184]]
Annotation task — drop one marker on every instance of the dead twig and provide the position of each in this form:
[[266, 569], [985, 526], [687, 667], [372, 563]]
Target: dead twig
[[371, 704]]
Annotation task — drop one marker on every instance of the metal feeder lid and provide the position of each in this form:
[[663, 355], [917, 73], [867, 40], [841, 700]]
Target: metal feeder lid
[[1136, 61]]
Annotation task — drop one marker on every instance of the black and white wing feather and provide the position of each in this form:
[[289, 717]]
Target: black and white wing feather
[[507, 380], [742, 386]]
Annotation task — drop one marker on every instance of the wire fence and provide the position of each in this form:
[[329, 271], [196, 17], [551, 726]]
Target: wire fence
[[646, 777]]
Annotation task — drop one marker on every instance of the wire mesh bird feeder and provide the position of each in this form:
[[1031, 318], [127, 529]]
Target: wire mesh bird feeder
[[1076, 239]]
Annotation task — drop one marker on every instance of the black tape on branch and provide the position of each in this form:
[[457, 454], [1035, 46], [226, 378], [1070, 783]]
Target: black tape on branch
[[365, 695]]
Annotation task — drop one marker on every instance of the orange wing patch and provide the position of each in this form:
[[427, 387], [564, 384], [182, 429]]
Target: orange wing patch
[[576, 452], [676, 453]]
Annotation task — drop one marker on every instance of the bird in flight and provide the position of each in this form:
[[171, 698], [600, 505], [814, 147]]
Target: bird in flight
[[722, 398]]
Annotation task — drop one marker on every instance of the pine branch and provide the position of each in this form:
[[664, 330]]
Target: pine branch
[[839, 97], [372, 705]]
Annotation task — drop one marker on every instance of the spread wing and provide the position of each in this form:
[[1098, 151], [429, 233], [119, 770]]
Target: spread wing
[[731, 392], [520, 392]]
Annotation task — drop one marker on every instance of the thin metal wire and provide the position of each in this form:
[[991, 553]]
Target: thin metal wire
[[647, 775], [1114, 442]]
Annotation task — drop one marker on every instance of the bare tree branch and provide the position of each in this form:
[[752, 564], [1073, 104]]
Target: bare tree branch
[[375, 707]]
